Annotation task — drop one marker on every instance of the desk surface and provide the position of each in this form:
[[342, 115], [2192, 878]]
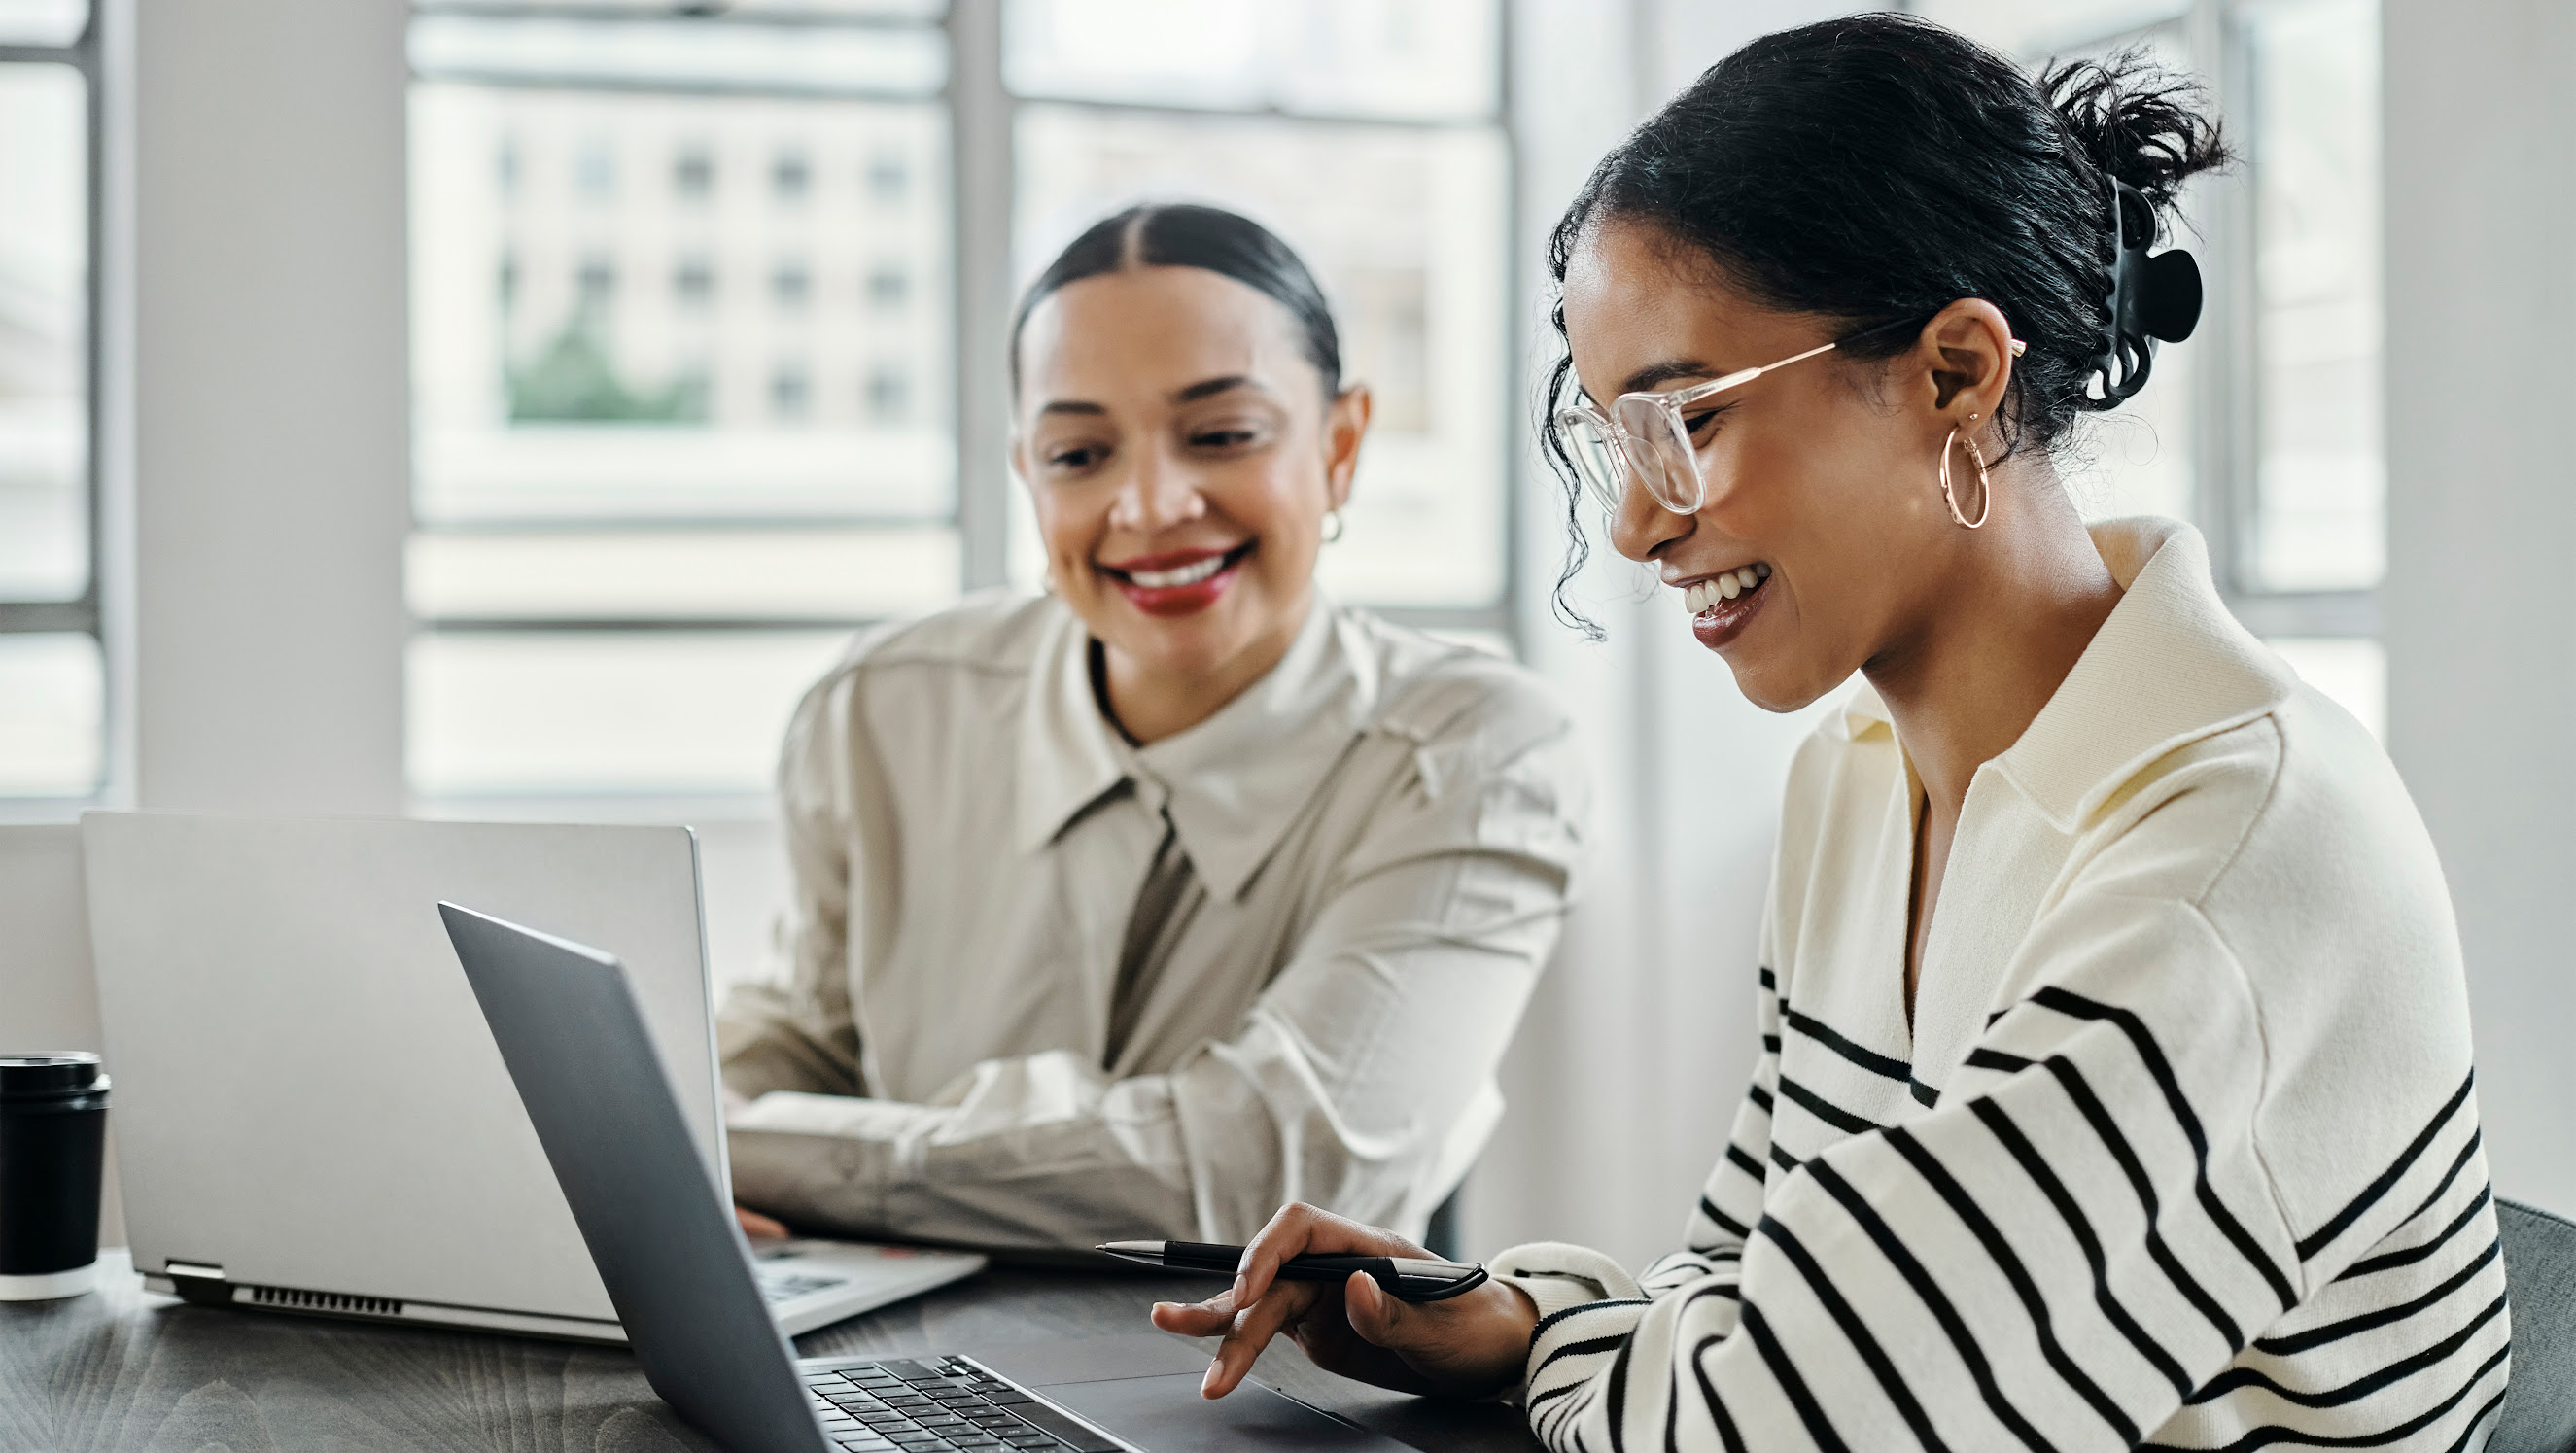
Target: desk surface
[[123, 1369]]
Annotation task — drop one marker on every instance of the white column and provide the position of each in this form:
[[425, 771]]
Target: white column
[[269, 420], [2482, 504]]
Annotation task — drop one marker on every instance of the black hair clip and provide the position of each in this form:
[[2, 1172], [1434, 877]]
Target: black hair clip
[[2151, 297]]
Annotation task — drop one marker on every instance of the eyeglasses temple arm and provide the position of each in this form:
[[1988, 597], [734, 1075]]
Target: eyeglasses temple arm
[[1748, 375]]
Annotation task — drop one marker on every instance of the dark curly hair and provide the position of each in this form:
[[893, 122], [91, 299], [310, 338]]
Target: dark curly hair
[[1875, 169]]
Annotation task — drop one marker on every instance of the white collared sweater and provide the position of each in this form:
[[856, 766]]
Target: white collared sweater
[[2180, 1149]]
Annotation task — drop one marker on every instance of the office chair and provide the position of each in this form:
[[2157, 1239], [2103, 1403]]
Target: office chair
[[2540, 1275]]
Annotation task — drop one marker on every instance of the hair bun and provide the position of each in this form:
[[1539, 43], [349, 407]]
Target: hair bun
[[2137, 123]]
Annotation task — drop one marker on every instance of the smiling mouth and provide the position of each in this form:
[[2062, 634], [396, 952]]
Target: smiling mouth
[[1706, 596], [1180, 584], [1178, 577]]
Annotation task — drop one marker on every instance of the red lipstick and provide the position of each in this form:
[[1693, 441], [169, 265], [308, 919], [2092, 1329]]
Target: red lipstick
[[1181, 583]]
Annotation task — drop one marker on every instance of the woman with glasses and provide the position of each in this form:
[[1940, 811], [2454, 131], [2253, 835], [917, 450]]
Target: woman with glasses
[[1179, 891], [2114, 1087]]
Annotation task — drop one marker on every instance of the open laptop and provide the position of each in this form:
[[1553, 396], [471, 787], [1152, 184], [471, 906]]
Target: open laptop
[[310, 1116], [573, 1034]]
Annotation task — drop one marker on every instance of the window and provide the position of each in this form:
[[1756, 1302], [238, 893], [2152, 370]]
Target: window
[[889, 180], [53, 675], [649, 516], [693, 282], [693, 176], [2265, 429], [787, 391], [2310, 72], [791, 285], [790, 176]]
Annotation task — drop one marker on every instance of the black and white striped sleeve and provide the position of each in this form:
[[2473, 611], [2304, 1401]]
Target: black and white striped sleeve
[[2080, 1235]]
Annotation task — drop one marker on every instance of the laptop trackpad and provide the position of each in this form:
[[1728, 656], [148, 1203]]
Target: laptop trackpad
[[1166, 1415]]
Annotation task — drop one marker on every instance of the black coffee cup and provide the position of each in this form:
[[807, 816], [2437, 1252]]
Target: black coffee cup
[[53, 1134]]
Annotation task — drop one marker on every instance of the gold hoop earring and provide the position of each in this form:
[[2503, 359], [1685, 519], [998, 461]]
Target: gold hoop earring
[[1332, 526], [1985, 483]]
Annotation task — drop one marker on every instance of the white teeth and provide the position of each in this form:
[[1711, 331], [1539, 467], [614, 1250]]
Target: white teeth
[[1708, 594], [1186, 575]]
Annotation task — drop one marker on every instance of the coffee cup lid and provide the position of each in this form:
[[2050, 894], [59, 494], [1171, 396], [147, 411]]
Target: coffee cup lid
[[24, 1076]]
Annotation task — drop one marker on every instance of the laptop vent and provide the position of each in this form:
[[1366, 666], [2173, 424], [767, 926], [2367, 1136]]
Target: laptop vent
[[304, 1301]]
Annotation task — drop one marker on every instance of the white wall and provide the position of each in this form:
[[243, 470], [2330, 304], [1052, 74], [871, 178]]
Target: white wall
[[270, 460], [2482, 502]]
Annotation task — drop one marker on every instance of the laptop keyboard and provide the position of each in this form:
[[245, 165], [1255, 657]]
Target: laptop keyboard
[[914, 1405]]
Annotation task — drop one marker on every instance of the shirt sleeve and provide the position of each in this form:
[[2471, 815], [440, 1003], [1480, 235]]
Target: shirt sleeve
[[2079, 1234], [1361, 1079], [800, 1034]]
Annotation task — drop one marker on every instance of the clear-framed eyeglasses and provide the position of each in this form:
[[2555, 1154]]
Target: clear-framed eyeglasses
[[1644, 436]]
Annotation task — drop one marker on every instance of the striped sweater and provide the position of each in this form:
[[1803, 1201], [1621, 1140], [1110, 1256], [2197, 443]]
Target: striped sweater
[[2179, 1150]]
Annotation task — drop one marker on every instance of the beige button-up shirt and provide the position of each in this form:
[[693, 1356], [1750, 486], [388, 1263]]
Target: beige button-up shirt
[[1380, 840]]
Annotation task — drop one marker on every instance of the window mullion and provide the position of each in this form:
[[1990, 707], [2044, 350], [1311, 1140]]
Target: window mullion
[[980, 116]]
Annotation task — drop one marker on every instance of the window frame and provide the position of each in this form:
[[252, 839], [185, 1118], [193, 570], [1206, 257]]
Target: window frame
[[86, 614], [2226, 401], [2228, 471]]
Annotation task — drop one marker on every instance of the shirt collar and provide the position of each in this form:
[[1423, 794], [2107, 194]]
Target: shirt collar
[[1233, 783], [2171, 665]]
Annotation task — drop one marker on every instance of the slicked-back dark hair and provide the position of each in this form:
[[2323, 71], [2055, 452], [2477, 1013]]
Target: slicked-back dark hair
[[1878, 168], [1181, 234]]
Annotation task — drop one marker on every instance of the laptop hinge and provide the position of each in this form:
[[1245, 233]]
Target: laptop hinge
[[199, 1282]]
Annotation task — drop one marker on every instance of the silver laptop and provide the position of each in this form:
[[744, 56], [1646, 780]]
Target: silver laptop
[[575, 1036], [310, 1116]]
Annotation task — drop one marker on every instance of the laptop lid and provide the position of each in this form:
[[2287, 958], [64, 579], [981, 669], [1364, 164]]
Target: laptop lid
[[666, 1242], [306, 1094]]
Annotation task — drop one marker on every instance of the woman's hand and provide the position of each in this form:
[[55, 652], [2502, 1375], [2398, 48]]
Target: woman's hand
[[758, 1226], [1468, 1346]]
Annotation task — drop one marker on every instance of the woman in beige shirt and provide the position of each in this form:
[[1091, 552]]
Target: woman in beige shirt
[[1145, 905]]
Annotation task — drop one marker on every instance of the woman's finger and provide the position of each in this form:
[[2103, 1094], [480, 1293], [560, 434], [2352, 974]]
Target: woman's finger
[[1283, 1238], [756, 1224], [1373, 1314], [1298, 1229], [1210, 1318], [1254, 1326]]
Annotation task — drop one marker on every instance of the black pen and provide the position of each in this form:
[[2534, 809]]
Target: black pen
[[1405, 1278]]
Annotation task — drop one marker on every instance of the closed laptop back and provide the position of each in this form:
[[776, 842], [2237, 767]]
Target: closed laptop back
[[306, 1094], [666, 1242]]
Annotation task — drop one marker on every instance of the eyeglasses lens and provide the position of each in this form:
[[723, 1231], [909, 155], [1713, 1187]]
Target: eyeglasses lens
[[1597, 462], [1665, 462]]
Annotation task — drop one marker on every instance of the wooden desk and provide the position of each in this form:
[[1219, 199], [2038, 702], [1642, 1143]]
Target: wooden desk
[[120, 1368]]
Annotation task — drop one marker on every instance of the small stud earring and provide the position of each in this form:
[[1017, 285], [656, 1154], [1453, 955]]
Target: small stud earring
[[1332, 526]]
